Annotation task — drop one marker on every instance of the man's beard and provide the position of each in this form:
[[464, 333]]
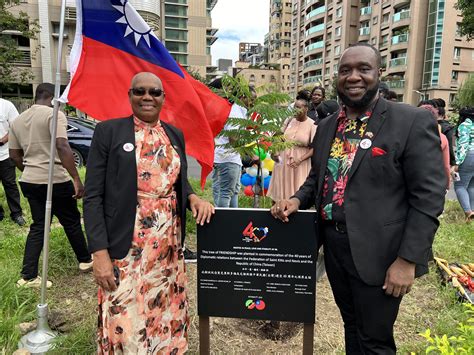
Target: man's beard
[[363, 102]]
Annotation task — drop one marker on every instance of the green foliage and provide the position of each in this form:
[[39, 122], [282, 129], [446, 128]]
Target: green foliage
[[9, 53], [250, 134], [465, 96], [466, 27], [461, 342]]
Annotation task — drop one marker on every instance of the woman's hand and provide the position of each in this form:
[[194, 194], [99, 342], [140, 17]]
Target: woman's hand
[[104, 270], [201, 209], [295, 163]]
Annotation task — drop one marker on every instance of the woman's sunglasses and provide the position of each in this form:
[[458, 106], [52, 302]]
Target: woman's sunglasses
[[155, 92]]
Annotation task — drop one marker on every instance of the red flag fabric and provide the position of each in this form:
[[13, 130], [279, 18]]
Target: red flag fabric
[[112, 44]]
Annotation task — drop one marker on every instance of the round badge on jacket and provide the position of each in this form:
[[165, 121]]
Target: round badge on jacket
[[128, 147]]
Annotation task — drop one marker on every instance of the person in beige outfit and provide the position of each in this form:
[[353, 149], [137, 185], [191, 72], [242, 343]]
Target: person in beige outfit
[[293, 165]]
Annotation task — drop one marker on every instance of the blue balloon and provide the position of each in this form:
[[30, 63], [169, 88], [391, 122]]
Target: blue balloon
[[247, 180], [266, 182]]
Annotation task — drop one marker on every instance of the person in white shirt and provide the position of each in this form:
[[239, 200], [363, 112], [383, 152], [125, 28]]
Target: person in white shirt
[[8, 114], [227, 167]]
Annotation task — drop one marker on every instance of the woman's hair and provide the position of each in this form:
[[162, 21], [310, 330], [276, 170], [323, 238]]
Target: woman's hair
[[464, 114], [431, 109], [303, 94], [323, 90]]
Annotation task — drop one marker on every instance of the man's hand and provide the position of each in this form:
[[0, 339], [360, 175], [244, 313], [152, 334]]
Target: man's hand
[[201, 209], [104, 271], [282, 209], [454, 169], [78, 188], [399, 278]]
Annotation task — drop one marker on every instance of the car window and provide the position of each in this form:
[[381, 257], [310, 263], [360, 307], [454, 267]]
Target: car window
[[85, 123]]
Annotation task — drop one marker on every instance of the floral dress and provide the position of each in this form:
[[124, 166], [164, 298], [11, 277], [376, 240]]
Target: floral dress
[[148, 312]]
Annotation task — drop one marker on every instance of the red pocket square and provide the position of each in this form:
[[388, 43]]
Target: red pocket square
[[376, 152]]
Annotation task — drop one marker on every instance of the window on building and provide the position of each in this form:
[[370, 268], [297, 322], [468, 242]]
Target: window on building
[[339, 12], [375, 20], [385, 18], [452, 97], [384, 39], [327, 71], [263, 76], [252, 78], [374, 40], [457, 52], [454, 75], [337, 50], [335, 68], [338, 31]]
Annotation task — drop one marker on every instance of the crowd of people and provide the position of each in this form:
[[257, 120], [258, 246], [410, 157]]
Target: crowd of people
[[375, 171]]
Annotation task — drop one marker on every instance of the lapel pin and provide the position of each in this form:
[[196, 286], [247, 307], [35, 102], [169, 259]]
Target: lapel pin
[[365, 143], [128, 147], [369, 135]]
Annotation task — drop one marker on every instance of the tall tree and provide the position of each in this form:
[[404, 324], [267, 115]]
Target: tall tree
[[466, 27], [15, 29]]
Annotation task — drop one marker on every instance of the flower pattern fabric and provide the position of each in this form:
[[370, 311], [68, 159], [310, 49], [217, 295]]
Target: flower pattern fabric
[[148, 312], [344, 147]]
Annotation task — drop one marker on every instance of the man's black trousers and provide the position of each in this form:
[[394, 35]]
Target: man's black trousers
[[64, 207], [367, 312], [8, 179]]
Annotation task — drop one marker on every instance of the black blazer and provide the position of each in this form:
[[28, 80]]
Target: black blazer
[[391, 201], [110, 199]]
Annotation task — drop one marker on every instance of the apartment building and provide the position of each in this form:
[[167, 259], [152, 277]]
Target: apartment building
[[278, 40], [187, 28], [415, 39]]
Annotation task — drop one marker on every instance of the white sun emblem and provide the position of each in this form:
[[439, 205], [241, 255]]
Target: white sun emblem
[[134, 22]]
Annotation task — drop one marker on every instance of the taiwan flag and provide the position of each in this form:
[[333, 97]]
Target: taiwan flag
[[112, 44]]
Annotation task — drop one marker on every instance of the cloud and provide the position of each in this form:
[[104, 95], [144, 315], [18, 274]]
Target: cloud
[[242, 21]]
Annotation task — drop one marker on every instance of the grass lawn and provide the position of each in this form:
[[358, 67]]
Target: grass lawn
[[72, 299]]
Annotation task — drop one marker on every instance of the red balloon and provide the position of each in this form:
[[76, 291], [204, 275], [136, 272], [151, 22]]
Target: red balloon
[[248, 190]]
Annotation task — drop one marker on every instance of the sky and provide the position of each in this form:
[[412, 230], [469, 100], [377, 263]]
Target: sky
[[238, 21]]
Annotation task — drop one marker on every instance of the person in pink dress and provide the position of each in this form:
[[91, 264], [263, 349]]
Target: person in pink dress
[[293, 165]]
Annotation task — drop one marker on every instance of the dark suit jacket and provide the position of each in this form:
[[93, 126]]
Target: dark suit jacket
[[391, 201], [110, 199]]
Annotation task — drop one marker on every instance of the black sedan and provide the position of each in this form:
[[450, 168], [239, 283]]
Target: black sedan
[[79, 134]]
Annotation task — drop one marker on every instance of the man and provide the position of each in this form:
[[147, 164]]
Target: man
[[446, 128], [378, 189], [8, 113], [30, 140], [227, 162]]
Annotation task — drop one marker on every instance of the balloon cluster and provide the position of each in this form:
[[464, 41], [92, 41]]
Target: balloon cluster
[[249, 179]]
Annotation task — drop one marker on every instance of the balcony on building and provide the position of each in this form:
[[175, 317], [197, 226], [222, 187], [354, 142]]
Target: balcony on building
[[313, 46], [312, 79], [313, 62], [365, 12], [398, 3], [364, 33], [314, 29], [397, 62], [24, 59], [401, 18], [401, 38], [396, 84], [313, 13]]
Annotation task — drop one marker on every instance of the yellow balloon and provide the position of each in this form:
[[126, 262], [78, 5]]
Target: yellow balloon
[[268, 164]]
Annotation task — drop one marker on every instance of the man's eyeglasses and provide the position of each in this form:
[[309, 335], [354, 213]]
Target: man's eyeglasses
[[155, 92]]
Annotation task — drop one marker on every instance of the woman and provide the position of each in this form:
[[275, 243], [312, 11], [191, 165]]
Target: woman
[[464, 184], [136, 194], [318, 94], [294, 164]]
